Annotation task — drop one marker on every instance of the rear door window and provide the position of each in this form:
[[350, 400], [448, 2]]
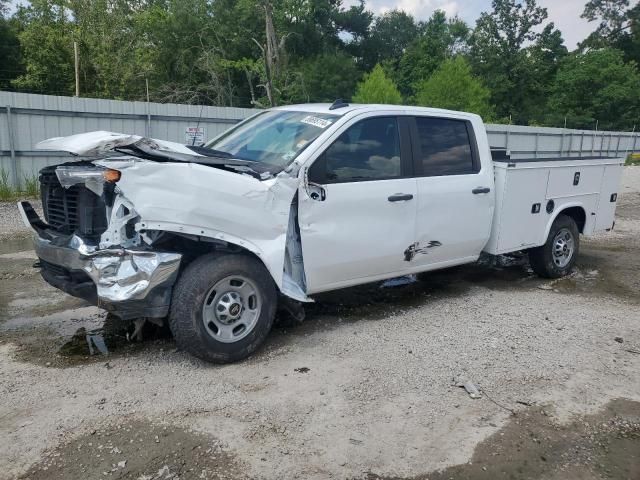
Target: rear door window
[[444, 147]]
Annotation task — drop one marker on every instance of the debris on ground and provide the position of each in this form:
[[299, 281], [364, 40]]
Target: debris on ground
[[471, 389]]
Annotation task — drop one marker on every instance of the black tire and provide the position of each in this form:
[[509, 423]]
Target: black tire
[[542, 259], [186, 318]]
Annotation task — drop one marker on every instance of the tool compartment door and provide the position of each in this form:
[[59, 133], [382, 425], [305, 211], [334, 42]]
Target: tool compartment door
[[605, 215]]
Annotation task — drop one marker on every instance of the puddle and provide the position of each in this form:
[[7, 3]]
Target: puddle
[[534, 446], [21, 255], [13, 245], [138, 449], [79, 336], [85, 343], [114, 337]]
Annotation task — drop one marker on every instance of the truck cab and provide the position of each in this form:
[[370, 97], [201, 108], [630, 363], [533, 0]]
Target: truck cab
[[295, 201]]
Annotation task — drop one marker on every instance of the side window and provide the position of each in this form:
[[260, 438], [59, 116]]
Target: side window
[[445, 147], [368, 150]]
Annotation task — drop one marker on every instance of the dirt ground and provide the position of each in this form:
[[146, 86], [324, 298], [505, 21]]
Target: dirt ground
[[365, 388]]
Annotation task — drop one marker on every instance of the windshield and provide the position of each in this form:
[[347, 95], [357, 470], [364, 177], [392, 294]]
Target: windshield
[[274, 137]]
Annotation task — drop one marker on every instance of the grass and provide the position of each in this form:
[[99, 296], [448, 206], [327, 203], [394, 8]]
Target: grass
[[30, 187], [633, 159]]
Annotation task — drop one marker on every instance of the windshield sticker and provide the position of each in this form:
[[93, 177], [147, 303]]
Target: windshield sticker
[[289, 155], [316, 121]]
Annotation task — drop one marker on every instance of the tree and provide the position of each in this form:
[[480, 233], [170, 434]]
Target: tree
[[377, 88], [597, 85], [47, 48], [390, 36], [618, 27], [501, 54], [327, 77], [10, 54], [440, 38], [454, 87]]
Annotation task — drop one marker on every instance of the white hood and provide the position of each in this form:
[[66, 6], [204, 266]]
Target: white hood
[[101, 143]]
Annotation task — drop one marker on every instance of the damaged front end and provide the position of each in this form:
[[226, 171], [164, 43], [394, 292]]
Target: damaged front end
[[87, 245], [118, 229]]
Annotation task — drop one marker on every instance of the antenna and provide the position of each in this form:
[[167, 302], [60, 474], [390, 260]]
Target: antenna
[[339, 103], [197, 125]]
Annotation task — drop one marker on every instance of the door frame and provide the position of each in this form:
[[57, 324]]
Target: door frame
[[407, 172]]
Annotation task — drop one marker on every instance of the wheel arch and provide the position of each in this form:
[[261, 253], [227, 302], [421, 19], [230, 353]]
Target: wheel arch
[[575, 211], [196, 244]]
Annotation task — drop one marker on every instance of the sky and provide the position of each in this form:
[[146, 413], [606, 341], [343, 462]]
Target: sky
[[564, 13]]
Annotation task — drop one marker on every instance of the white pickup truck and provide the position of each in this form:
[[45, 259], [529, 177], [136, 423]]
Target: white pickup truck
[[295, 201]]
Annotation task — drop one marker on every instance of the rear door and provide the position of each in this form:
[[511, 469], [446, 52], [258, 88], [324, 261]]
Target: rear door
[[455, 192], [360, 216]]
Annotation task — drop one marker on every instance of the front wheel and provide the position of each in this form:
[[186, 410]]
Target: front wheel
[[557, 256], [223, 307]]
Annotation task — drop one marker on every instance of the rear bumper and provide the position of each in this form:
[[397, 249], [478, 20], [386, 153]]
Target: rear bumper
[[129, 282]]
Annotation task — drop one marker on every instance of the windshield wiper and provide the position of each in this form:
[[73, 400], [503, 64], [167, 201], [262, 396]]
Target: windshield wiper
[[142, 150], [209, 152]]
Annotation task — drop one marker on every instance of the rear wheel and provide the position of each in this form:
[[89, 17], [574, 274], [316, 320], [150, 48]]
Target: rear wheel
[[223, 307], [557, 256]]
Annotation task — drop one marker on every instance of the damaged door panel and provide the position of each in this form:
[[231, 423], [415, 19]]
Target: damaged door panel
[[295, 201], [365, 217]]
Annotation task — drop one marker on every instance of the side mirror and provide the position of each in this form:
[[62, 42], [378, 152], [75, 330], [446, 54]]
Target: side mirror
[[315, 178]]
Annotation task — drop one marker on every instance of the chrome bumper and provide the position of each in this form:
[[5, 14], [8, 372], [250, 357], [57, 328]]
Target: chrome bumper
[[127, 282]]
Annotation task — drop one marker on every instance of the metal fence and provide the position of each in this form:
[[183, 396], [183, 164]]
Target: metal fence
[[26, 119]]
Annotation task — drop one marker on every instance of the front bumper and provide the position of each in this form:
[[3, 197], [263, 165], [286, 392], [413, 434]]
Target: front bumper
[[128, 282]]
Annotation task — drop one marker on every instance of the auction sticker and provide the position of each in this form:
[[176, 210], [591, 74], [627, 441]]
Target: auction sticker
[[316, 121]]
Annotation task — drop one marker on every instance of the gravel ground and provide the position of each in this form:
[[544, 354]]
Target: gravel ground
[[11, 224], [366, 387]]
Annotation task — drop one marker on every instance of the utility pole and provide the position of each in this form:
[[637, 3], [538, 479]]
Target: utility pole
[[77, 67], [146, 82]]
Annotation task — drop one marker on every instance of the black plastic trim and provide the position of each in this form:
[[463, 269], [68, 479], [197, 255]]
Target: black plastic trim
[[554, 159]]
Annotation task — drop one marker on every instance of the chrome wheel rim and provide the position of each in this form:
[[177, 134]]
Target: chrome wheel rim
[[563, 248], [231, 309]]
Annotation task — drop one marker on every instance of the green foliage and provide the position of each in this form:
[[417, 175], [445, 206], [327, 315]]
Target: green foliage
[[47, 48], [618, 27], [10, 54], [597, 85], [510, 54], [390, 36], [327, 77], [6, 190], [263, 52], [632, 159], [454, 87], [377, 88], [30, 187], [441, 38]]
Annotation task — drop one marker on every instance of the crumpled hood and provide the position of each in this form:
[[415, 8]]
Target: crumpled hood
[[102, 143]]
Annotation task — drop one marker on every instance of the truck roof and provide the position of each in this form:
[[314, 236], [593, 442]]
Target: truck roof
[[366, 107]]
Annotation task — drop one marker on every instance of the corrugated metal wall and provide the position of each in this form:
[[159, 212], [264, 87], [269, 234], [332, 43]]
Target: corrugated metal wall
[[26, 119]]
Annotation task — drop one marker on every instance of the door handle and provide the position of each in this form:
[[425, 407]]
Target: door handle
[[478, 190], [400, 197]]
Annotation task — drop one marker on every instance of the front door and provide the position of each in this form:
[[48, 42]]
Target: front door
[[361, 219]]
